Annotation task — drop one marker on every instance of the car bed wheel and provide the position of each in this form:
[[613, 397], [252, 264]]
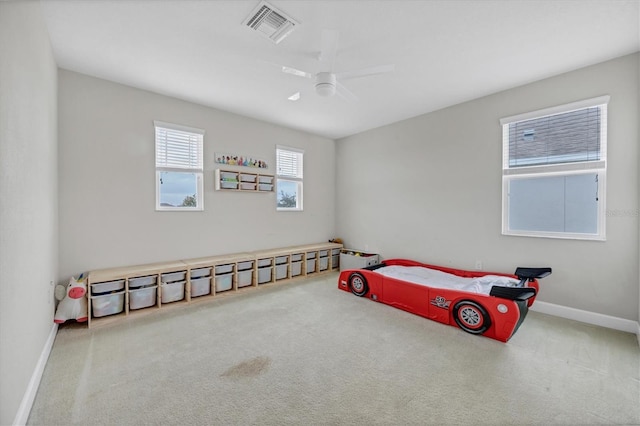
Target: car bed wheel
[[471, 317], [358, 284]]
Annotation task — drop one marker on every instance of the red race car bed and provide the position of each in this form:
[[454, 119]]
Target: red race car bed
[[491, 304]]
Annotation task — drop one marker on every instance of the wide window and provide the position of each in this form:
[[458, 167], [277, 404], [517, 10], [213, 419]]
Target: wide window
[[554, 171], [179, 167], [289, 180]]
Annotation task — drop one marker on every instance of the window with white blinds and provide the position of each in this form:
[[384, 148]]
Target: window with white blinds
[[179, 167], [289, 170], [554, 171]]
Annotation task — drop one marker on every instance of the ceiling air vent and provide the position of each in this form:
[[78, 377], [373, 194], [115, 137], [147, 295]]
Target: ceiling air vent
[[270, 22]]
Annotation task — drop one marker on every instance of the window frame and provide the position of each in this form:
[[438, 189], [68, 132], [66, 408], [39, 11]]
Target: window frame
[[197, 168], [297, 178], [599, 167]]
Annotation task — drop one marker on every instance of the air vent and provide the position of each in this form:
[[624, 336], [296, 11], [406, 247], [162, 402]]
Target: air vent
[[270, 22]]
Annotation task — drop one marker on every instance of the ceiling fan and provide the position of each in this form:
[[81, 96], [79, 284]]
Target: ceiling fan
[[328, 83]]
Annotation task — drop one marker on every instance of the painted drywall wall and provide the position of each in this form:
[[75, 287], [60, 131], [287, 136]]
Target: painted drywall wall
[[107, 181], [429, 188], [28, 197]]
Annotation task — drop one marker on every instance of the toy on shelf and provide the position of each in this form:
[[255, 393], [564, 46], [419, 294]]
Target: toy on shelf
[[73, 303]]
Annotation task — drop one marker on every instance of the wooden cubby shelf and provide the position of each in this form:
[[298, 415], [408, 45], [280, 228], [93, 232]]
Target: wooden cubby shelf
[[118, 293], [233, 180]]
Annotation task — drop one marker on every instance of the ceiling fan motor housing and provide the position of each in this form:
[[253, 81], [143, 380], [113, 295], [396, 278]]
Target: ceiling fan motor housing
[[326, 84]]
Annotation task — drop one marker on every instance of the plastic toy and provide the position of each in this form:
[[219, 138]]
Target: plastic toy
[[73, 303], [491, 304]]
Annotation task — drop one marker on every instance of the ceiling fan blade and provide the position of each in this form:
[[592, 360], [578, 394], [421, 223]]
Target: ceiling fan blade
[[329, 48], [364, 72], [294, 97], [345, 93], [295, 71]]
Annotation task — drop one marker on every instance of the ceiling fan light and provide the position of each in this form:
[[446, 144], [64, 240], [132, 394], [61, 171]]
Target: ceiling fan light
[[325, 89]]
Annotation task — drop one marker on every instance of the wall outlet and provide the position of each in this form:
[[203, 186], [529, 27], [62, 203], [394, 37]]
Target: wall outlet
[[479, 265]]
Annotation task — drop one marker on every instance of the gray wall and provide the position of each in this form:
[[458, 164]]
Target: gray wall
[[107, 181], [28, 197], [429, 188]]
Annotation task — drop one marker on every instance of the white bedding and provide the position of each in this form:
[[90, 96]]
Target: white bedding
[[434, 278]]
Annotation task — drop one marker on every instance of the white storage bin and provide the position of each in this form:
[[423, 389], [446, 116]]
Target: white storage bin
[[142, 281], [265, 187], [335, 261], [264, 262], [265, 179], [107, 287], [335, 252], [282, 259], [296, 268], [173, 277], [296, 257], [224, 269], [224, 282], [200, 272], [311, 255], [243, 266], [354, 259], [248, 178], [311, 266], [228, 185], [324, 253], [200, 286], [281, 272], [245, 278], [108, 304], [143, 297], [264, 275], [228, 176], [172, 292], [248, 186], [323, 263]]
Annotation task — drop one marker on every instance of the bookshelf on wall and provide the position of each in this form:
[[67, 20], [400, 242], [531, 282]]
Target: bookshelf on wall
[[233, 180]]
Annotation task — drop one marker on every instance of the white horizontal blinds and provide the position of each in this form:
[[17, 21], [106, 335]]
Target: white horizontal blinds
[[177, 148], [561, 138], [289, 163]]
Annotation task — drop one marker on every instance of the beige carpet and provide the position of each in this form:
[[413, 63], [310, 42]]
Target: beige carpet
[[305, 353]]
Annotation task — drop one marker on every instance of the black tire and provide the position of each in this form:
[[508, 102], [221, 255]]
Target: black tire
[[358, 284], [471, 317]]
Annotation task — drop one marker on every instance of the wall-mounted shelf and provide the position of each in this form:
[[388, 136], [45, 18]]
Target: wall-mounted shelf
[[233, 180]]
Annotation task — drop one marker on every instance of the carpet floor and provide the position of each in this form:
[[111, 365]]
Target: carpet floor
[[305, 353]]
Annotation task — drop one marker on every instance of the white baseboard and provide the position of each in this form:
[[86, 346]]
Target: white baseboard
[[588, 317], [30, 394]]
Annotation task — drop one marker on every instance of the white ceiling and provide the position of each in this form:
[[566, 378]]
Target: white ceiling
[[445, 52]]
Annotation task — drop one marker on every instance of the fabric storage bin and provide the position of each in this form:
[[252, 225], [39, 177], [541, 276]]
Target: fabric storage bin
[[173, 276], [200, 272], [265, 187], [296, 268], [264, 275], [248, 178], [323, 263], [107, 287], [281, 272], [264, 262], [265, 179], [228, 185], [245, 278], [224, 269], [296, 257], [282, 259], [143, 297], [200, 286], [172, 292], [243, 266], [142, 281], [248, 186], [224, 282], [108, 304]]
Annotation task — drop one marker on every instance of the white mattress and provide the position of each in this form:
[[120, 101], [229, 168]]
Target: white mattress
[[434, 278]]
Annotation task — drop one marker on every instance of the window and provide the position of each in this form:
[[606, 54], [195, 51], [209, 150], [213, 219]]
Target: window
[[289, 178], [178, 167], [554, 171]]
